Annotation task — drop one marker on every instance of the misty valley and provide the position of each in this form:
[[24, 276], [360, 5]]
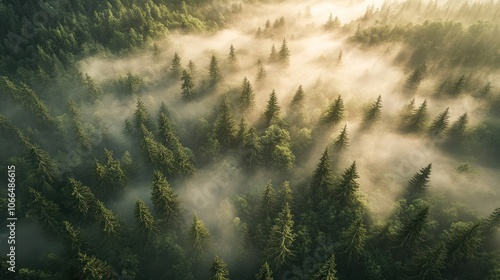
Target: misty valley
[[252, 139]]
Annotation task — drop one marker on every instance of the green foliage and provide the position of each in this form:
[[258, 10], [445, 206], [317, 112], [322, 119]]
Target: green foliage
[[373, 112], [416, 77], [91, 268], [79, 197], [335, 112], [411, 230], [165, 202], [417, 119], [327, 270], [280, 243], [440, 123], [342, 141], [45, 212], [108, 222], [214, 74], [74, 241], [265, 273], [252, 149], [224, 125], [272, 112], [427, 264], [284, 53], [175, 67], [145, 223], [247, 97], [332, 23], [187, 85], [110, 174], [417, 185], [347, 187], [199, 238], [218, 270]]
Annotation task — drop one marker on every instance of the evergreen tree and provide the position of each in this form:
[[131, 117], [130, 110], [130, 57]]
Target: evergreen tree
[[157, 154], [74, 241], [110, 173], [224, 125], [273, 57], [265, 273], [284, 54], [261, 72], [372, 114], [412, 228], [233, 60], [199, 237], [240, 135], [79, 197], [46, 212], [251, 149], [144, 220], [417, 120], [342, 141], [407, 111], [427, 264], [44, 167], [247, 97], [191, 68], [267, 204], [141, 116], [176, 68], [218, 270], [348, 186], [165, 202], [440, 123], [187, 85], [354, 241], [92, 88], [327, 270], [332, 23], [108, 222], [272, 113], [298, 98], [285, 196], [458, 86], [214, 74], [456, 133], [133, 84], [335, 112], [91, 268], [463, 241], [418, 183], [416, 77], [281, 239], [82, 138], [322, 180]]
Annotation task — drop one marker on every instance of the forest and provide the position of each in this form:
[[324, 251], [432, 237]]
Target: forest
[[250, 139]]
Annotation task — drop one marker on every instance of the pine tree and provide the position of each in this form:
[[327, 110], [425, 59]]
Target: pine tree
[[273, 57], [165, 202], [298, 98], [332, 23], [418, 183], [265, 273], [44, 167], [141, 116], [335, 112], [91, 268], [272, 113], [372, 114], [92, 88], [322, 180], [412, 228], [284, 54], [79, 197], [110, 226], [110, 174], [354, 241], [261, 72], [74, 241], [247, 97], [417, 120], [218, 270], [251, 149], [285, 196], [281, 239], [187, 85], [199, 237], [157, 154], [224, 125], [214, 74], [348, 186], [82, 138], [176, 67], [327, 270], [458, 86], [192, 68], [46, 212], [342, 141], [440, 123], [463, 241], [144, 220]]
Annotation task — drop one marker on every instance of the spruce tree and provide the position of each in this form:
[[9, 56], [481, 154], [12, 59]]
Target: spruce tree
[[272, 113], [298, 98], [199, 237], [322, 181], [354, 241], [214, 75], [44, 167], [327, 271], [165, 202], [218, 270], [265, 273], [191, 68], [284, 54], [280, 243], [144, 220], [176, 68], [46, 212], [428, 263], [247, 97], [417, 120], [285, 196], [440, 123], [233, 60], [418, 183], [110, 173], [412, 228], [267, 204], [251, 149], [416, 77], [78, 197], [224, 125], [241, 133], [91, 268], [273, 57], [462, 241], [261, 71], [187, 85], [456, 133], [141, 116], [348, 186], [73, 239], [332, 23], [106, 219], [373, 112], [342, 140], [82, 138], [335, 112]]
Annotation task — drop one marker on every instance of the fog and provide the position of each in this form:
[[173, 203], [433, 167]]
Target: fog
[[386, 157]]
